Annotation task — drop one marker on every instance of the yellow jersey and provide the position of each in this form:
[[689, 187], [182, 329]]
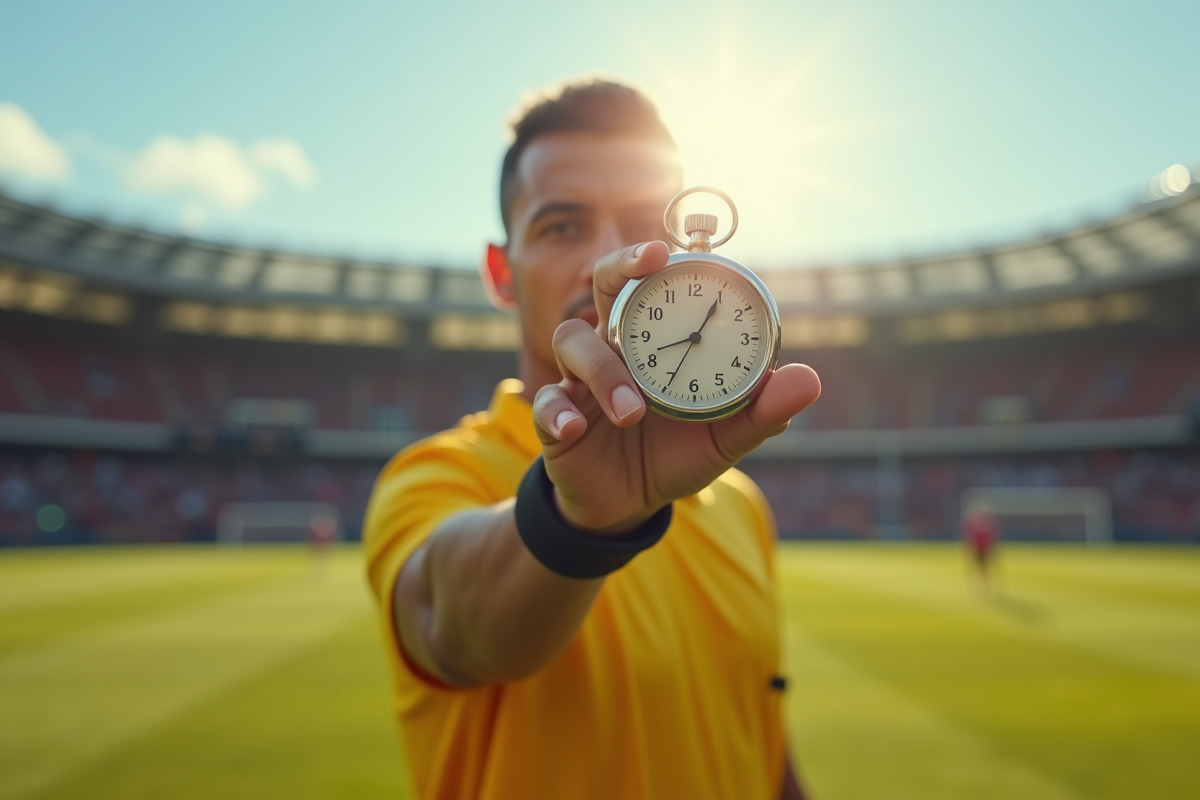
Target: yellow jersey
[[670, 688]]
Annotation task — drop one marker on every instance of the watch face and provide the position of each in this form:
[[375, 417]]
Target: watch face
[[698, 337]]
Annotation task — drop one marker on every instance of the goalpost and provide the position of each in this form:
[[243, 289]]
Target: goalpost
[[1091, 504], [264, 523]]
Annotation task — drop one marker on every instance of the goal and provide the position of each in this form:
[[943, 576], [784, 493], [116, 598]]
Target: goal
[[266, 523], [1046, 514]]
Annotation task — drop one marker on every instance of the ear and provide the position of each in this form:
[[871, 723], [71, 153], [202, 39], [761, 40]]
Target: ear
[[497, 277]]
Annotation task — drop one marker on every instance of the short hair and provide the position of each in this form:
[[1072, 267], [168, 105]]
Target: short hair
[[596, 106]]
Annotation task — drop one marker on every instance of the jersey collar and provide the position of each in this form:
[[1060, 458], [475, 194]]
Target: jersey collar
[[513, 414]]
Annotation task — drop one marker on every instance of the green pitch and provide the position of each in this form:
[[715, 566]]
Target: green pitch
[[202, 673]]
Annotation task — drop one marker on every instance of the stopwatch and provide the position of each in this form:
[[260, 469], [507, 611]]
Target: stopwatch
[[701, 335]]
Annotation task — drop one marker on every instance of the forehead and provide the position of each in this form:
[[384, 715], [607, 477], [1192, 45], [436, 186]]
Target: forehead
[[607, 172]]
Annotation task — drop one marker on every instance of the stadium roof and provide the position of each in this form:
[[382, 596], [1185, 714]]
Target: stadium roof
[[1153, 240]]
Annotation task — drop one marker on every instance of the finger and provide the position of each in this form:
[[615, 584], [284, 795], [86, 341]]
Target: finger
[[555, 416], [621, 266], [785, 393], [584, 356]]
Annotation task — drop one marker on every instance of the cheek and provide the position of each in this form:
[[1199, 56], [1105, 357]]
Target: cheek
[[540, 299], [550, 288]]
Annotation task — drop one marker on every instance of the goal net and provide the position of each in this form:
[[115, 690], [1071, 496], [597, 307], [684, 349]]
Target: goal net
[[1076, 514], [265, 523]]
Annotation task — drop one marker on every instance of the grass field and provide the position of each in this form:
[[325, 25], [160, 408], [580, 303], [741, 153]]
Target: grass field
[[257, 673]]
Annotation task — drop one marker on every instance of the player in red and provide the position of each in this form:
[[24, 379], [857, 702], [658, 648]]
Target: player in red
[[981, 537]]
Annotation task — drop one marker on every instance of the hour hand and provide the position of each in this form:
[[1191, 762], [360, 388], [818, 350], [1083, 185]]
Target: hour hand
[[689, 338]]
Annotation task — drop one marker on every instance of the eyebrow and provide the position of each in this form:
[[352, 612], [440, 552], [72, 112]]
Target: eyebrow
[[556, 207]]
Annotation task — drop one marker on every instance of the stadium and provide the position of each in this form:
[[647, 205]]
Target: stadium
[[238, 257], [159, 388], [164, 398]]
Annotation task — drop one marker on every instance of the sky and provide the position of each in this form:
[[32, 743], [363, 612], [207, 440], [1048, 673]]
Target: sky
[[845, 131]]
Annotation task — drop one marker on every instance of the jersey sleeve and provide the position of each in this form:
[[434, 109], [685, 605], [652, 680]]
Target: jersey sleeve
[[415, 492]]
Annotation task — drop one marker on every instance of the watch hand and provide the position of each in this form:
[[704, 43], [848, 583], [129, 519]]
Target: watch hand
[[691, 337], [711, 310], [685, 354], [694, 337]]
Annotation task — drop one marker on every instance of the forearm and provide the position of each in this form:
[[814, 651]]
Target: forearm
[[473, 606]]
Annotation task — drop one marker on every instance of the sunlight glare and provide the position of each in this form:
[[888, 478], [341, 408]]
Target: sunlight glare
[[752, 132]]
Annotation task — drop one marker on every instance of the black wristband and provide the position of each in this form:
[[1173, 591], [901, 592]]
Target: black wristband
[[564, 549]]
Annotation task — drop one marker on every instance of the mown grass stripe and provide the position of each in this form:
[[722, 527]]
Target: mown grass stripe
[[1160, 573], [76, 699], [1107, 727], [315, 724], [33, 578], [857, 736], [1147, 633], [36, 625], [922, 689]]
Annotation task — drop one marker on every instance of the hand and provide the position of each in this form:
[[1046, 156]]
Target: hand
[[612, 464]]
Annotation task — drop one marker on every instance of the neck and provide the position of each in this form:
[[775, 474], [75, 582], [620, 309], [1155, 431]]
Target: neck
[[534, 374]]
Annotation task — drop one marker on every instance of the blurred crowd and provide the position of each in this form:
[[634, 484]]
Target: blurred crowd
[[1155, 494], [88, 497], [373, 391], [54, 496]]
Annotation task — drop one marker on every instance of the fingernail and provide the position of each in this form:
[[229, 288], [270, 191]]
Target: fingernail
[[625, 401], [563, 419], [637, 251]]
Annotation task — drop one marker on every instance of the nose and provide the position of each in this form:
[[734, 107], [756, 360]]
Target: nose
[[608, 238]]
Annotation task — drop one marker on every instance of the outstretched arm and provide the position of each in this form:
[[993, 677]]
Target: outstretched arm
[[472, 605]]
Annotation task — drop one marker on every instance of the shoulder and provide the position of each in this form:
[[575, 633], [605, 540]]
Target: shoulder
[[466, 459], [466, 467], [736, 486], [739, 494], [483, 447]]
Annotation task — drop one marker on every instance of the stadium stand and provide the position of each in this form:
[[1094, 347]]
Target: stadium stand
[[146, 380]]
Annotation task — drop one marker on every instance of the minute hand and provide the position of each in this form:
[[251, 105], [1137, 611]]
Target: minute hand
[[694, 339], [711, 310]]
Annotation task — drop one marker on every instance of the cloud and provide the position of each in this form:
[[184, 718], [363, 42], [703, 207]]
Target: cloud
[[208, 167], [216, 169], [25, 149], [286, 157], [204, 172]]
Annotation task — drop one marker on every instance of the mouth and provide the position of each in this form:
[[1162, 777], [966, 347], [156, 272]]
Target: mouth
[[584, 309]]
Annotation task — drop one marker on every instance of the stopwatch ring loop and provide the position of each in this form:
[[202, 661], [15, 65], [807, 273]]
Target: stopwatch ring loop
[[711, 190]]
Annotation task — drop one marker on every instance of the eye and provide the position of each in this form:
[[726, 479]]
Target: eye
[[562, 228], [642, 230]]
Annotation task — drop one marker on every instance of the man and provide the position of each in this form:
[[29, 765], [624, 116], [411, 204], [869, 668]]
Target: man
[[981, 535], [547, 639]]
